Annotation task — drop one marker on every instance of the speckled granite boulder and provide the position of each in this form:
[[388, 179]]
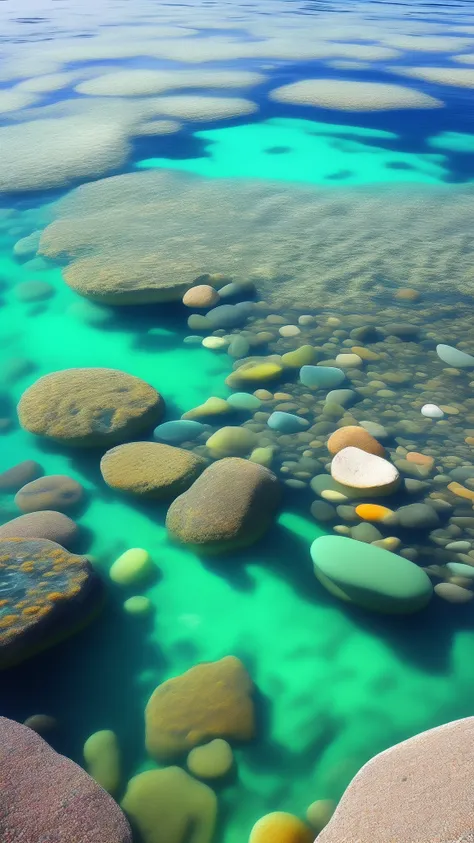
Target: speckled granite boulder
[[46, 797], [230, 505], [46, 524], [419, 791], [46, 594], [89, 407]]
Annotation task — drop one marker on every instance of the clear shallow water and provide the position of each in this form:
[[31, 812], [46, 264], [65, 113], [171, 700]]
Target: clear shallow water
[[340, 684]]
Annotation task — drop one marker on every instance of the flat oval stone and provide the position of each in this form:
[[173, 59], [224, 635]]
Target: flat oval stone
[[459, 569], [181, 430], [244, 401], [343, 397], [454, 357], [453, 593], [432, 411], [321, 377], [287, 422], [368, 473], [370, 576]]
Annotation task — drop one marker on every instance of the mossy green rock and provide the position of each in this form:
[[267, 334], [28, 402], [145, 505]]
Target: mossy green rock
[[370, 576], [300, 357]]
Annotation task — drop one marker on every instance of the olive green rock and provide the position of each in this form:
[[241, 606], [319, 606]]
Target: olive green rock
[[212, 407], [370, 576], [230, 505], [102, 757], [300, 357], [231, 442], [150, 469]]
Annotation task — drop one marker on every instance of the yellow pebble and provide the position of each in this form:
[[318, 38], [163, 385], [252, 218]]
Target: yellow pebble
[[372, 511]]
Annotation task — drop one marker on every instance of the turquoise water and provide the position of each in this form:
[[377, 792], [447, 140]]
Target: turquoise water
[[329, 211]]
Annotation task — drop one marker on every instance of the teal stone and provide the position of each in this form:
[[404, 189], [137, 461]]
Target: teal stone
[[370, 576], [287, 422], [453, 357], [181, 430], [459, 569], [244, 401], [321, 377]]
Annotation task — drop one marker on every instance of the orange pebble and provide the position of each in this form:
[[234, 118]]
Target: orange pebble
[[469, 440], [372, 511], [280, 827], [407, 294], [420, 459], [460, 491]]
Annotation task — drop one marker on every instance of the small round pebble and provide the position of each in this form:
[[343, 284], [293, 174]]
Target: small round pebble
[[289, 331], [133, 566], [214, 343], [201, 296], [138, 605], [432, 411], [211, 761], [287, 422]]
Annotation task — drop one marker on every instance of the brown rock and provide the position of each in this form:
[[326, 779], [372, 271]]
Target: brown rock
[[354, 436], [211, 700], [89, 407], [202, 296], [24, 472], [407, 294], [54, 526], [150, 469], [56, 492], [419, 790], [453, 593], [230, 505]]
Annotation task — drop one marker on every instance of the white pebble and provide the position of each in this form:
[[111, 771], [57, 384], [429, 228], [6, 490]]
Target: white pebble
[[432, 411], [289, 331], [215, 343]]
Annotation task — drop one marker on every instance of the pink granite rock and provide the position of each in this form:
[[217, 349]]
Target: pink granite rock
[[419, 791], [46, 797]]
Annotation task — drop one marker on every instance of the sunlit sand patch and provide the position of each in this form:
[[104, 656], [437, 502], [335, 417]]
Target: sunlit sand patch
[[52, 153], [426, 44], [352, 96], [14, 100], [467, 58], [453, 142], [158, 127], [147, 82], [49, 82], [203, 108], [342, 64], [458, 77]]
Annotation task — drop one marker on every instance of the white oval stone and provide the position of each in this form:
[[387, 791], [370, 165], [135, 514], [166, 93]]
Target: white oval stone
[[369, 474], [432, 411], [454, 357], [215, 343], [348, 361]]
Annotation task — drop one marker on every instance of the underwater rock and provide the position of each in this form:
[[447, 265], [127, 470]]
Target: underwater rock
[[164, 805], [89, 407], [211, 700], [230, 315], [133, 566], [391, 797], [244, 401], [102, 756], [27, 246], [24, 472], [32, 291], [321, 377], [301, 356], [46, 524], [342, 397], [356, 436], [323, 511], [369, 576], [453, 593], [287, 422], [262, 455], [375, 429], [198, 322], [212, 760], [201, 296], [46, 796], [402, 330], [138, 605], [46, 594], [230, 505], [56, 492], [366, 532], [320, 812], [432, 411], [212, 407], [179, 431], [366, 473], [42, 724], [252, 374], [280, 827], [150, 469], [349, 360], [231, 442], [407, 294], [215, 343], [238, 347], [454, 357], [373, 511], [417, 516], [289, 331]]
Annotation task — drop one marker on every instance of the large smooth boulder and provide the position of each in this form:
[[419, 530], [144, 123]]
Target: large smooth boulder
[[370, 576], [150, 469], [47, 797], [211, 700], [230, 505], [419, 791], [46, 524], [89, 407], [46, 594]]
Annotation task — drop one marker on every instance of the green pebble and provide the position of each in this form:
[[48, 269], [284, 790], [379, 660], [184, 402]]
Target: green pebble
[[138, 605]]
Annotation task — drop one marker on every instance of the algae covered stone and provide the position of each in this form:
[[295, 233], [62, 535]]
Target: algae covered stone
[[47, 797], [150, 469], [89, 407], [230, 505], [102, 756], [418, 790], [231, 442], [211, 700], [133, 566], [46, 594], [370, 576], [212, 760], [164, 805], [46, 524], [56, 492], [280, 827]]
